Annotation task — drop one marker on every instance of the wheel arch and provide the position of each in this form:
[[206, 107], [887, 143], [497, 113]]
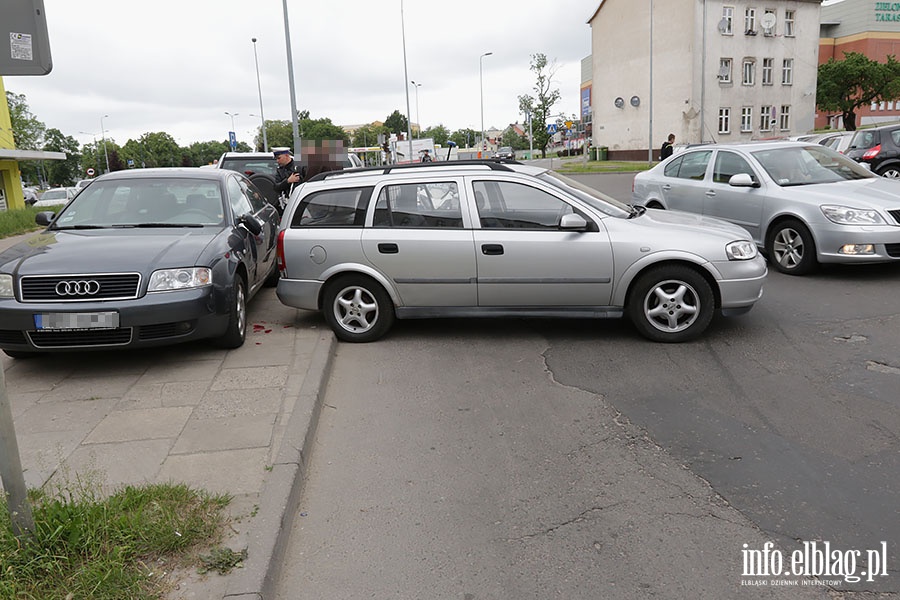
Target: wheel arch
[[781, 218], [357, 269], [704, 269]]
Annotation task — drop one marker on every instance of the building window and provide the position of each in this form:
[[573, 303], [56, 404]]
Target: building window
[[767, 68], [874, 107], [770, 21], [881, 105], [766, 118], [724, 70], [788, 23], [890, 105], [726, 25], [787, 71], [749, 72], [750, 21], [724, 120], [747, 118], [785, 117]]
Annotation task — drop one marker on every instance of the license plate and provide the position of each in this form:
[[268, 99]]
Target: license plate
[[91, 320]]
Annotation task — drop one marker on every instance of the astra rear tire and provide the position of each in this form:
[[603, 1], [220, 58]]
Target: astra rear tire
[[671, 304], [357, 309]]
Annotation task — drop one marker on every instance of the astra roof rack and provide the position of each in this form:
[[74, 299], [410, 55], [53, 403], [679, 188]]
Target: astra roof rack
[[493, 164]]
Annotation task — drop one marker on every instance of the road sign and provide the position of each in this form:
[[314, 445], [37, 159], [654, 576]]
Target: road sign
[[233, 139], [551, 128], [90, 172]]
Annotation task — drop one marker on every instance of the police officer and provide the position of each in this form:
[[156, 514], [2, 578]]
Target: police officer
[[289, 172]]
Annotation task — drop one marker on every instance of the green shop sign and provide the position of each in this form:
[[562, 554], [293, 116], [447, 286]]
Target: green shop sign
[[887, 11]]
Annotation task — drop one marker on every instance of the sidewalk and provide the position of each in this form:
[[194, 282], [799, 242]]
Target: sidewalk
[[225, 421]]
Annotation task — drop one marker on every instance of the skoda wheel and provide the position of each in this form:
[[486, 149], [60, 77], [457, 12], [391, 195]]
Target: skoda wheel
[[357, 308], [671, 304], [790, 248]]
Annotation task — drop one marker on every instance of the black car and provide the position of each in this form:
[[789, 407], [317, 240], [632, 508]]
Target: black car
[[879, 148], [140, 258]]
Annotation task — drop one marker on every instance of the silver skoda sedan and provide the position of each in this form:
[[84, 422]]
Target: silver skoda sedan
[[490, 239], [803, 204]]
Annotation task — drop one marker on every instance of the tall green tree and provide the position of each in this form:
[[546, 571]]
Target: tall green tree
[[206, 153], [512, 139], [61, 173], [396, 123], [464, 138], [27, 134], [540, 106], [439, 134], [367, 135], [846, 85]]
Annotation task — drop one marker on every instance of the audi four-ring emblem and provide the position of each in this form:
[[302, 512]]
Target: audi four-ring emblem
[[82, 287]]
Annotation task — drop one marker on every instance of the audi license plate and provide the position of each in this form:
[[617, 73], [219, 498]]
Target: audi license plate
[[91, 320]]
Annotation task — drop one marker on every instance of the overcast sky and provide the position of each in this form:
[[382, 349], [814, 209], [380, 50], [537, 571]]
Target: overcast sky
[[178, 65]]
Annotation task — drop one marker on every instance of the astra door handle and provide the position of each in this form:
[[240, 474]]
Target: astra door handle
[[492, 249], [388, 248]]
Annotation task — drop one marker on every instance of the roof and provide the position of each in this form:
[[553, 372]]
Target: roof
[[12, 154]]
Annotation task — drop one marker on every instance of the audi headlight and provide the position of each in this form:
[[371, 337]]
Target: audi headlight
[[179, 279], [742, 250], [6, 286], [844, 215]]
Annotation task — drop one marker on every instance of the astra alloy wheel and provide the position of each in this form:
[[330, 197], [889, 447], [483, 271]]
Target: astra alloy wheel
[[357, 308], [790, 247], [671, 304]]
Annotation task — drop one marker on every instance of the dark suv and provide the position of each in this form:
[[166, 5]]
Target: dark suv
[[879, 148]]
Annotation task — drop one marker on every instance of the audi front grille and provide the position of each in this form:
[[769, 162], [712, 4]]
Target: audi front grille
[[80, 287]]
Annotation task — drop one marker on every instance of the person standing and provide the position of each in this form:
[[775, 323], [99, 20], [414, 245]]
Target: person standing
[[289, 172], [426, 157], [667, 147]]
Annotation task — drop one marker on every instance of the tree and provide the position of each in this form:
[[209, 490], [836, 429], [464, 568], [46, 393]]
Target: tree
[[367, 135], [540, 105], [846, 85], [396, 123], [206, 153], [464, 137], [27, 130], [61, 173], [439, 134], [514, 140]]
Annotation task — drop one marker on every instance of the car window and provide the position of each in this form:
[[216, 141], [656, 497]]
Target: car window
[[429, 204], [249, 166], [345, 207], [805, 165], [671, 169], [693, 165], [728, 164], [257, 201], [895, 137], [508, 205], [865, 139], [240, 204]]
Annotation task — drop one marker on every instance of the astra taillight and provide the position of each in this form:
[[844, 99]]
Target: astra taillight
[[279, 249]]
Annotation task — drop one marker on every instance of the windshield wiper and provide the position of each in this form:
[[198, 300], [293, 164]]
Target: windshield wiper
[[158, 225], [59, 227]]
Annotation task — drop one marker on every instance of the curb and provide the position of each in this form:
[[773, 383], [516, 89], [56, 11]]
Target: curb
[[280, 496]]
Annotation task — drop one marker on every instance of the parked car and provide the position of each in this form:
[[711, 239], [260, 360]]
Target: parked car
[[505, 152], [490, 239], [879, 148], [83, 183], [30, 195], [140, 258], [56, 196], [839, 142], [803, 203]]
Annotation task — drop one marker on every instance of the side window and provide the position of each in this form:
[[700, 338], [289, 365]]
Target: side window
[[333, 208], [895, 135], [419, 205], [693, 165], [240, 204], [672, 167], [728, 164], [507, 205], [256, 199]]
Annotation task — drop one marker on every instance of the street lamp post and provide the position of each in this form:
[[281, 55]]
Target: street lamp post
[[103, 131], [262, 115], [419, 132], [481, 93], [233, 115]]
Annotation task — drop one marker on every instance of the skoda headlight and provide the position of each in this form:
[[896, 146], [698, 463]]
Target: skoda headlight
[[844, 215], [742, 250], [179, 279], [6, 286]]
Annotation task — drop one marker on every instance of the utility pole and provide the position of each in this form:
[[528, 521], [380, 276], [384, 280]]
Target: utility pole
[[11, 468]]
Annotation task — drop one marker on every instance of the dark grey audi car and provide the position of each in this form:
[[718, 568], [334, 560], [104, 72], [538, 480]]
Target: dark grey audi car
[[140, 258]]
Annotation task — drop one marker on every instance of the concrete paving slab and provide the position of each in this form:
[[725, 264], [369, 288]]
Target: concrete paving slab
[[250, 378], [228, 403], [228, 433], [115, 465], [146, 424], [224, 472]]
